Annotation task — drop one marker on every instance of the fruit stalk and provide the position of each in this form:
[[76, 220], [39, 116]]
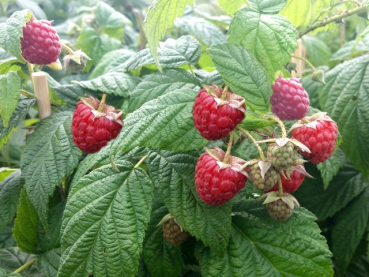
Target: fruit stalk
[[247, 133], [280, 123], [42, 94], [23, 267], [229, 148]]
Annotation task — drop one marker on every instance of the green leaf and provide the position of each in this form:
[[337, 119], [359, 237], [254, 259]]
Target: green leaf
[[202, 29], [12, 258], [261, 246], [106, 223], [95, 45], [317, 51], [10, 65], [158, 84], [347, 101], [172, 54], [255, 123], [344, 52], [345, 186], [209, 78], [243, 74], [4, 274], [116, 83], [330, 167], [348, 229], [159, 18], [10, 189], [230, 7], [110, 21], [49, 156], [16, 118], [12, 30], [268, 6], [161, 258], [69, 93], [312, 88], [25, 225], [174, 177], [110, 60], [299, 12], [6, 237], [10, 85], [165, 122], [270, 38], [48, 263]]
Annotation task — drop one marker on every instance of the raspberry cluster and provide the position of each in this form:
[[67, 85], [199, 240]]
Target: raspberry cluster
[[278, 172]]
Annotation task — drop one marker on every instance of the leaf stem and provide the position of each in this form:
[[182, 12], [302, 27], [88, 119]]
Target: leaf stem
[[280, 187], [248, 134], [140, 161], [138, 17], [229, 148], [23, 267], [27, 93], [113, 164], [280, 123], [304, 60], [30, 72], [337, 17]]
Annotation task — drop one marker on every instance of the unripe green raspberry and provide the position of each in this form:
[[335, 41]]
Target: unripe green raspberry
[[283, 157], [173, 232], [266, 183], [279, 210]]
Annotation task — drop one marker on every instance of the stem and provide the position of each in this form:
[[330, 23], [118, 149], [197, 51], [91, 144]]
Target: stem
[[224, 93], [138, 17], [338, 17], [63, 188], [280, 187], [70, 51], [280, 123], [30, 72], [141, 161], [102, 102], [248, 134], [190, 67], [229, 148], [25, 266], [118, 114], [305, 120], [27, 93], [304, 60], [113, 164]]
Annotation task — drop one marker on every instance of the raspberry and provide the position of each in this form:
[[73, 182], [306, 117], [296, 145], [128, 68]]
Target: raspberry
[[40, 43], [282, 157], [271, 176], [279, 210], [290, 185], [216, 183], [319, 135], [173, 232], [289, 99], [92, 129], [215, 118]]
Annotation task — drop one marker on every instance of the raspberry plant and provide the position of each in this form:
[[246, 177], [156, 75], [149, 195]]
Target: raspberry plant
[[181, 142]]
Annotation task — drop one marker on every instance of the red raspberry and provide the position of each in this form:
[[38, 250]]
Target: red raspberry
[[215, 118], [40, 43], [290, 185], [92, 129], [319, 135], [216, 185], [289, 99]]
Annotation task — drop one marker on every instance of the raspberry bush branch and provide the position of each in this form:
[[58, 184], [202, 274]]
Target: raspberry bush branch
[[360, 9], [248, 134], [26, 265]]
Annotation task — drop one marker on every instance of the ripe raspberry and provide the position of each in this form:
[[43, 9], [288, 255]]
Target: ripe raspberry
[[282, 157], [319, 135], [216, 182], [289, 99], [92, 129], [271, 176], [40, 43], [290, 185], [215, 118], [173, 232], [279, 210]]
